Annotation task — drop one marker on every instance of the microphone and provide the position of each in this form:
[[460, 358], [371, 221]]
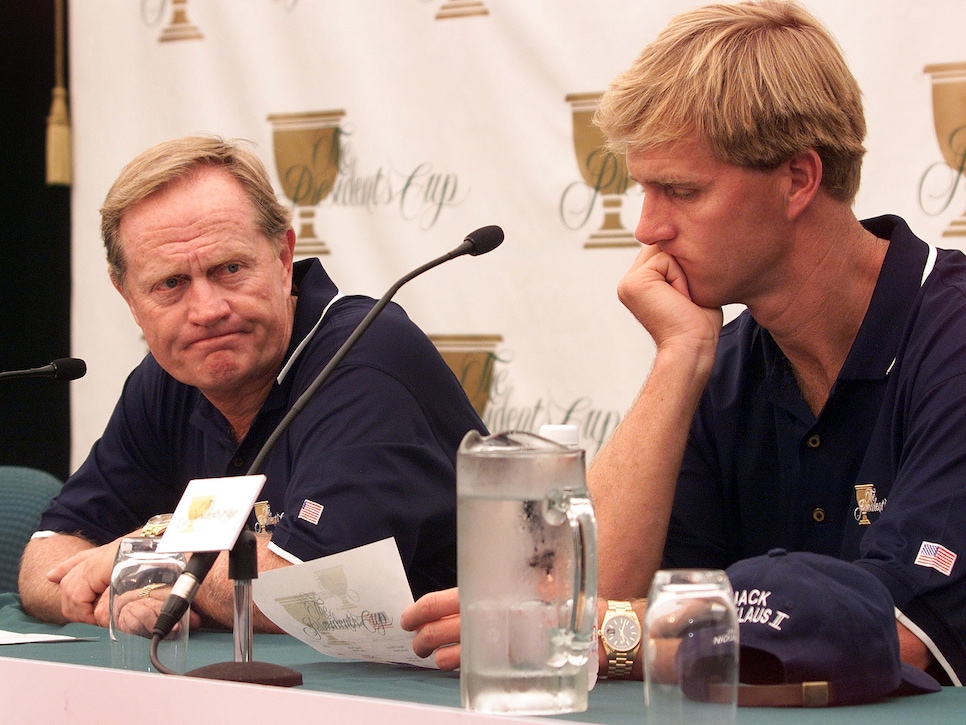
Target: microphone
[[66, 368], [481, 241]]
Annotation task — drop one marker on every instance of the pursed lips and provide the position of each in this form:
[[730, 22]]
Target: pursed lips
[[218, 340]]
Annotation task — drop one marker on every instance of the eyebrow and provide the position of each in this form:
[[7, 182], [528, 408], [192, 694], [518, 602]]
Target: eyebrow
[[670, 181]]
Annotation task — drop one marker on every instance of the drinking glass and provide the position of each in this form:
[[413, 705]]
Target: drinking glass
[[690, 649], [140, 582]]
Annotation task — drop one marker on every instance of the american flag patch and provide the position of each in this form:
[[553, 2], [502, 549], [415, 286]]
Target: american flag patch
[[936, 556], [311, 512]]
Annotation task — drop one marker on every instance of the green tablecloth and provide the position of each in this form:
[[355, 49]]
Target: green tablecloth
[[613, 703]]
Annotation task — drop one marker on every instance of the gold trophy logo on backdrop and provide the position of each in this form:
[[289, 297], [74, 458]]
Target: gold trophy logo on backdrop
[[472, 359], [603, 172], [180, 28], [949, 118], [461, 9], [307, 154]]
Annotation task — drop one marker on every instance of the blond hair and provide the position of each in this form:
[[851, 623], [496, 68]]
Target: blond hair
[[170, 161], [761, 82]]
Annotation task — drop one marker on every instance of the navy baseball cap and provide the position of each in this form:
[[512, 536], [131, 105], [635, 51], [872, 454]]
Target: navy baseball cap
[[814, 631]]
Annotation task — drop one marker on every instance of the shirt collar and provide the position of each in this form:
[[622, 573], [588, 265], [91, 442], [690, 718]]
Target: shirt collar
[[908, 260], [877, 342], [315, 292]]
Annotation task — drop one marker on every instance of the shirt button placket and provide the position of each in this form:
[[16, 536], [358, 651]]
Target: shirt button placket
[[814, 442]]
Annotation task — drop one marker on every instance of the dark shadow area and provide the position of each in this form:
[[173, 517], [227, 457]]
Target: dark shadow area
[[34, 246]]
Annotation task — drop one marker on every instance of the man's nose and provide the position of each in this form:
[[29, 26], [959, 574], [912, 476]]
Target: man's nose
[[206, 302], [653, 225]]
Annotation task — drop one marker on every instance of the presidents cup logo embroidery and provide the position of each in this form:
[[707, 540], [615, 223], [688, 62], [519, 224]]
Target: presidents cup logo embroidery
[[866, 503], [752, 607], [265, 520]]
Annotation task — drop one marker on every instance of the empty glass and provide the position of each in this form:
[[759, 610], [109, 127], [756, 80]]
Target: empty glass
[[140, 582], [690, 649]]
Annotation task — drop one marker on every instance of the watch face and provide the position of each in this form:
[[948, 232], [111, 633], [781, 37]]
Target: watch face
[[621, 632]]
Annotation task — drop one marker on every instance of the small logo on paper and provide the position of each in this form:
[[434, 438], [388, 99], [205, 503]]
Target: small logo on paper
[[311, 512], [936, 556], [197, 508]]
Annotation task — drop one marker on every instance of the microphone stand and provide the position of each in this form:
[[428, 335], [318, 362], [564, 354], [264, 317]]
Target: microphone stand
[[243, 669], [242, 568]]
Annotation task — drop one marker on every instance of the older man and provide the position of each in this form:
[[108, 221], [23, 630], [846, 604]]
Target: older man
[[202, 252]]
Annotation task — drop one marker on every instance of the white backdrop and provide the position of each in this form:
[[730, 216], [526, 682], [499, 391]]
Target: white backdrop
[[453, 114]]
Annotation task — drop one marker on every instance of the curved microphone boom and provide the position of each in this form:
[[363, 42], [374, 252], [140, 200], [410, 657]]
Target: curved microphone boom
[[65, 368], [481, 241]]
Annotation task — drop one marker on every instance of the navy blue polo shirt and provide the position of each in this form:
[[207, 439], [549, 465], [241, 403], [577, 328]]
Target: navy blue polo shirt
[[880, 472], [375, 447]]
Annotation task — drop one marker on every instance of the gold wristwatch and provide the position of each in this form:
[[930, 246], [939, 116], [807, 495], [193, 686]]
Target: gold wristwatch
[[156, 525], [620, 633]]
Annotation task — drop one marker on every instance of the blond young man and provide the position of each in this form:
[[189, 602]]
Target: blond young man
[[828, 416]]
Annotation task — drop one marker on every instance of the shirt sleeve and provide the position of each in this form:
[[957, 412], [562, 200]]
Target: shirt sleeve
[[697, 535], [122, 483], [705, 526], [373, 456], [915, 544]]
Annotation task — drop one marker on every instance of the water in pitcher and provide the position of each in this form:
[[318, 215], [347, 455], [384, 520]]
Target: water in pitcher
[[519, 653]]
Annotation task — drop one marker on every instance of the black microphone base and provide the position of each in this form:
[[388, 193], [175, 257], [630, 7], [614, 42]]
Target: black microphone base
[[256, 673]]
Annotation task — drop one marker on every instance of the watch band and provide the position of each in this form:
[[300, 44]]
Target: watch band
[[156, 525], [619, 664]]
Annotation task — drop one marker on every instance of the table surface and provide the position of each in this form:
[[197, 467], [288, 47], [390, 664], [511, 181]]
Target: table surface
[[611, 702]]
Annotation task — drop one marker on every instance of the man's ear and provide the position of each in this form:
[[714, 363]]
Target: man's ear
[[286, 252], [288, 245], [805, 177]]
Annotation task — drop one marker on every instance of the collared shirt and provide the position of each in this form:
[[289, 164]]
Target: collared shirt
[[371, 456], [878, 474]]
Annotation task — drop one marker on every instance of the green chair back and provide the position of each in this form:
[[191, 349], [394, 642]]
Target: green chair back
[[24, 494]]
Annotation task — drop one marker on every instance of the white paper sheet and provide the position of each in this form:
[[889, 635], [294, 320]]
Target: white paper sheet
[[345, 605], [17, 638]]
